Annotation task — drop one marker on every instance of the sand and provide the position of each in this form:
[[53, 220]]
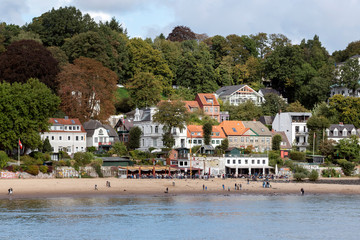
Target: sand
[[48, 188]]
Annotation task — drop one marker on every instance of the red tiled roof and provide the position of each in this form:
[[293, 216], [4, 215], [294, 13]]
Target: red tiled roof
[[229, 126], [204, 96], [198, 129], [63, 121]]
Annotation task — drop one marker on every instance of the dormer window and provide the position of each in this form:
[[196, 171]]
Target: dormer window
[[344, 133], [327, 132], [353, 132], [336, 132]]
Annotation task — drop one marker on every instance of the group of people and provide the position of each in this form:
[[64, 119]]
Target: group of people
[[266, 184]]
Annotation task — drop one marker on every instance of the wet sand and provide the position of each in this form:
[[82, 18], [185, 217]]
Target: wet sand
[[48, 188]]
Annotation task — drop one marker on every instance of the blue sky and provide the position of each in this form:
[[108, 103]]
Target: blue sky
[[335, 22]]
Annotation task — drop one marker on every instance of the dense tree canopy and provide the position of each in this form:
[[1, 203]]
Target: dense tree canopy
[[24, 112], [87, 90], [28, 59], [181, 33]]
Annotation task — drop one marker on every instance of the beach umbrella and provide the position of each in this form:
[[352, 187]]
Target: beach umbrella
[[276, 170]]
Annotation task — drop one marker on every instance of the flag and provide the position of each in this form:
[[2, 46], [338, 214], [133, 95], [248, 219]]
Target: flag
[[20, 144]]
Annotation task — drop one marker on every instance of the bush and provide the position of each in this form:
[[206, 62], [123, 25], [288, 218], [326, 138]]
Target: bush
[[298, 156], [27, 160], [314, 175], [346, 166], [3, 159], [91, 149], [47, 157], [299, 176], [83, 158], [33, 170], [97, 168], [329, 173], [43, 169]]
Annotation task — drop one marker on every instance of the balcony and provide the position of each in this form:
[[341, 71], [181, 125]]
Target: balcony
[[301, 144], [300, 133], [105, 143]]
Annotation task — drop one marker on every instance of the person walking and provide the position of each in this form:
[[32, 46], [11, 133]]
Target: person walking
[[302, 191]]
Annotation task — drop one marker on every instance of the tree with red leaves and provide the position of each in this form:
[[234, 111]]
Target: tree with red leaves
[[87, 90], [27, 59], [181, 33]]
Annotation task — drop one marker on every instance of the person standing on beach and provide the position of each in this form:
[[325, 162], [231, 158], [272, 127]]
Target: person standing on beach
[[302, 191], [96, 187], [203, 187]]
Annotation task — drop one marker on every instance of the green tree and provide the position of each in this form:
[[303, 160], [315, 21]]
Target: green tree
[[46, 147], [327, 147], [171, 114], [3, 159], [83, 158], [224, 144], [144, 89], [348, 149], [273, 104], [207, 130], [276, 140], [59, 24], [346, 166], [144, 58], [24, 112], [317, 127], [296, 107], [314, 175], [247, 111], [119, 149], [134, 138], [349, 75], [345, 109]]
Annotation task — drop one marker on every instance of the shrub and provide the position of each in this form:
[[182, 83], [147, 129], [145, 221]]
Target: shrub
[[298, 156], [33, 170], [83, 158], [37, 155], [329, 173], [27, 160], [91, 149], [3, 159], [346, 166], [314, 175], [299, 176], [43, 169], [47, 157], [97, 168]]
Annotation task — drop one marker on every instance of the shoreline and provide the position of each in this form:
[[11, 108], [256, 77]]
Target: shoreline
[[58, 188]]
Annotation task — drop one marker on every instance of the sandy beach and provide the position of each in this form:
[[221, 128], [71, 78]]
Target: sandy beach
[[42, 188]]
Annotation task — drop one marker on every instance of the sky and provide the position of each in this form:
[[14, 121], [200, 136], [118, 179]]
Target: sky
[[337, 23]]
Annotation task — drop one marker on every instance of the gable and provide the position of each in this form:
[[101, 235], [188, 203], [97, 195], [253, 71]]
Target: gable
[[249, 132]]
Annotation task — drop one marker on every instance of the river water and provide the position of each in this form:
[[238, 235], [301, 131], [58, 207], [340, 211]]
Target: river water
[[183, 217]]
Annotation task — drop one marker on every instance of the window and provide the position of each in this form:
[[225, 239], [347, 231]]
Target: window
[[70, 128], [234, 129], [185, 164], [189, 141], [336, 132], [199, 141], [194, 141], [304, 128], [216, 109], [206, 109], [239, 161], [77, 128], [77, 148], [77, 138], [297, 129], [69, 138], [65, 127], [154, 142], [82, 137], [267, 140], [258, 161], [234, 161], [246, 161], [344, 133], [213, 141], [263, 161], [96, 139], [252, 161], [156, 129], [60, 138], [217, 141], [52, 138], [228, 161], [242, 139], [181, 163], [68, 149]]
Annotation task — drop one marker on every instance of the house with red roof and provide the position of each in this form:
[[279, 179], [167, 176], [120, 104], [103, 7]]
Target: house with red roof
[[195, 136], [206, 102], [66, 134]]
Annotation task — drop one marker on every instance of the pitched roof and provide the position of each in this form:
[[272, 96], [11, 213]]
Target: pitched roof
[[266, 91], [191, 104], [203, 97], [198, 129], [66, 121], [232, 128], [91, 125], [257, 127], [228, 90], [284, 139]]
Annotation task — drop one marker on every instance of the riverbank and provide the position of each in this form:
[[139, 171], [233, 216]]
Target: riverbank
[[42, 188]]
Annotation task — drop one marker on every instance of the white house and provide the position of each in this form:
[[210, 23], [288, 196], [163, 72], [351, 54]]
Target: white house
[[152, 132], [66, 135], [238, 94], [294, 126], [340, 131], [100, 135]]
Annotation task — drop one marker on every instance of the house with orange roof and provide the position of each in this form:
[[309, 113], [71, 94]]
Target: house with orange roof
[[195, 136], [206, 102], [66, 134], [242, 134]]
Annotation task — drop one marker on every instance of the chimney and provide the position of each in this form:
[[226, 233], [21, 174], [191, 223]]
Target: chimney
[[341, 123]]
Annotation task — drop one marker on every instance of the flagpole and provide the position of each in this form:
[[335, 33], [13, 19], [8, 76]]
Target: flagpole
[[19, 152]]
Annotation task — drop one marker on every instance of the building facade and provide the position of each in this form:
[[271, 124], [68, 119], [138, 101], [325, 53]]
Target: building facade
[[340, 131], [294, 126], [100, 136], [239, 94], [66, 135]]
